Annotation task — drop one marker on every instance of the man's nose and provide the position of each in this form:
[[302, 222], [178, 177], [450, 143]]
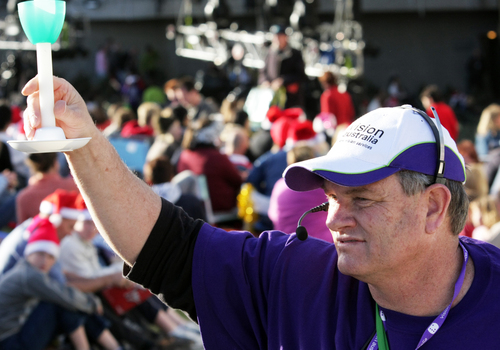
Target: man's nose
[[340, 216]]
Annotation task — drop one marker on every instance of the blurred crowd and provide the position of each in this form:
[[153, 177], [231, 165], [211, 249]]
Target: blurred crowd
[[209, 155]]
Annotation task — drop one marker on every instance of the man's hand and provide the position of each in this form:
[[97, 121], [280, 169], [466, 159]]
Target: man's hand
[[124, 208], [70, 110]]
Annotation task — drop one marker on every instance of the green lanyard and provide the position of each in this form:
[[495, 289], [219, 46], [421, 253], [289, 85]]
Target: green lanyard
[[383, 343]]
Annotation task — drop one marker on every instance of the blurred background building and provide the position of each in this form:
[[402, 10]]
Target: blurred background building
[[406, 43]]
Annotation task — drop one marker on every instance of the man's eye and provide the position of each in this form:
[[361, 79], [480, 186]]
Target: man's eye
[[363, 201]]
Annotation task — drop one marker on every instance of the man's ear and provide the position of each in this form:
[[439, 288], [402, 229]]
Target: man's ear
[[438, 200]]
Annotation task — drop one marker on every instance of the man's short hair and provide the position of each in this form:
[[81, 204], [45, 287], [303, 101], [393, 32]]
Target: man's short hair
[[42, 162], [159, 170], [188, 84], [171, 84], [413, 183], [433, 92], [328, 78], [165, 121]]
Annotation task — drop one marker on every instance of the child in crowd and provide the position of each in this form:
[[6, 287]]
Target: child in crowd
[[79, 258], [34, 309]]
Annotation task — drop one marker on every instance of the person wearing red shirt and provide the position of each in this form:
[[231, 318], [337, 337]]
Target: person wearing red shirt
[[45, 180], [202, 156], [431, 97], [335, 102]]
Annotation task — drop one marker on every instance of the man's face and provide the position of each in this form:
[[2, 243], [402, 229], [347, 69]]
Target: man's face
[[176, 130], [86, 229], [376, 228], [41, 261], [171, 95], [65, 228], [180, 95], [282, 40]]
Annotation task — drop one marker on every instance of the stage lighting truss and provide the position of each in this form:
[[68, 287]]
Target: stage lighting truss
[[336, 47]]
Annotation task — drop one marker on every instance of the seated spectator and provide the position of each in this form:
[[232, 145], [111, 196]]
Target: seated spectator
[[170, 89], [167, 142], [261, 142], [8, 194], [158, 173], [488, 144], [287, 206], [34, 308], [191, 99], [202, 156], [302, 133], [45, 180], [16, 158], [494, 231], [98, 115], [236, 143], [488, 131], [483, 214], [243, 120], [118, 119], [62, 209], [5, 163], [269, 167], [230, 107], [146, 112], [476, 183], [79, 259], [181, 114]]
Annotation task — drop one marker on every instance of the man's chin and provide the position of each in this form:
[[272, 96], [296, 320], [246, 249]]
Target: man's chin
[[348, 267]]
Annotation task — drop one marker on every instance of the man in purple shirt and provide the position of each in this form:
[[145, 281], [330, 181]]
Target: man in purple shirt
[[396, 276]]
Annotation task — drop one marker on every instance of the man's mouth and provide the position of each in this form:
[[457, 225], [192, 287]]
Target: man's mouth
[[347, 240]]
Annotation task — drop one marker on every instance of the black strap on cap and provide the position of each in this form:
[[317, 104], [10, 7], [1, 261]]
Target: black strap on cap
[[438, 136]]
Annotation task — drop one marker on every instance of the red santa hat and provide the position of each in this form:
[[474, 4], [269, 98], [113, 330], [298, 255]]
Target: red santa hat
[[301, 130], [60, 204], [293, 113], [274, 113], [43, 239], [279, 131], [82, 207], [281, 123]]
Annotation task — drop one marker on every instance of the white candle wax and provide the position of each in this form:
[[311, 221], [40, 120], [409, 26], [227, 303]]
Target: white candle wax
[[45, 83]]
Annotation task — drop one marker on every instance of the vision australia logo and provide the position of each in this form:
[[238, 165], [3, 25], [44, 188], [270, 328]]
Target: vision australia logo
[[366, 133]]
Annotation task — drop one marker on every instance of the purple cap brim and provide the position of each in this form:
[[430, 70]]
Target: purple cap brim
[[420, 158]]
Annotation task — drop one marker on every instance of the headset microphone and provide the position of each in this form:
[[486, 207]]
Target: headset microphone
[[301, 231]]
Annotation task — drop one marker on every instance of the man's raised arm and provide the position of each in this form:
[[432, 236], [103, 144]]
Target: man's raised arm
[[123, 207]]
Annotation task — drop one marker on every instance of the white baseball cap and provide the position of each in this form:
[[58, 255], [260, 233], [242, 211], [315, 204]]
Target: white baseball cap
[[375, 146]]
